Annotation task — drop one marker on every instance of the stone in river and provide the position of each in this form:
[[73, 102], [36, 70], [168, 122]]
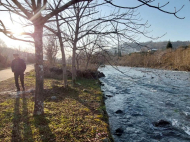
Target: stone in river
[[170, 104], [161, 123], [119, 111], [109, 96], [118, 132]]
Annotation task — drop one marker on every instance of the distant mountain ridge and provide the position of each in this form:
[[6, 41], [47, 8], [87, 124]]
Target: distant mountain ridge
[[162, 44]]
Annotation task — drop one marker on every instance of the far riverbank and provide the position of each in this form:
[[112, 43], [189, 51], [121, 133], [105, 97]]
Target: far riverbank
[[178, 59]]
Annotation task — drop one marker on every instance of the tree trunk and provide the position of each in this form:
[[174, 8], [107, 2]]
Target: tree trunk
[[87, 62], [74, 65], [77, 62], [64, 66], [74, 49], [39, 99]]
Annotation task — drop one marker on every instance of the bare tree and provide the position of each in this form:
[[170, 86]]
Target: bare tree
[[80, 26], [37, 13], [51, 49], [64, 66], [90, 46], [60, 35], [79, 57], [115, 26]]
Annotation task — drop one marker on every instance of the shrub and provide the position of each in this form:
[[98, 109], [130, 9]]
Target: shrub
[[4, 62], [169, 45]]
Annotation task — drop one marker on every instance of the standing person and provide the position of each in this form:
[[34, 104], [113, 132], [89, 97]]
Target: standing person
[[18, 66]]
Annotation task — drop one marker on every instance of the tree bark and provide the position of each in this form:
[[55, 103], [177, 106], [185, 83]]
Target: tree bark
[[39, 99]]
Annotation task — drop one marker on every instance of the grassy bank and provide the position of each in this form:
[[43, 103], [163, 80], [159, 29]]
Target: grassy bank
[[77, 114], [178, 59]]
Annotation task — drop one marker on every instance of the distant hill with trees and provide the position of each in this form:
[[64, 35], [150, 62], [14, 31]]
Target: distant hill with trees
[[177, 59], [127, 48], [162, 44]]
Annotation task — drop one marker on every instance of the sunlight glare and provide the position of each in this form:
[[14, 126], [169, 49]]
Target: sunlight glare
[[16, 29]]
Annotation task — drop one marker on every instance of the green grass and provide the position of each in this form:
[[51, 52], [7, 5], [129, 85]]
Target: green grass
[[78, 114]]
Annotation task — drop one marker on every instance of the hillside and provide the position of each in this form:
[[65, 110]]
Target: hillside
[[127, 48], [176, 59], [162, 45]]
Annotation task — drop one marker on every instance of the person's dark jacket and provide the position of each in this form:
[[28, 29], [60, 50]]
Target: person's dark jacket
[[18, 66]]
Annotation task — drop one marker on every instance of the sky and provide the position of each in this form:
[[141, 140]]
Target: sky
[[161, 23]]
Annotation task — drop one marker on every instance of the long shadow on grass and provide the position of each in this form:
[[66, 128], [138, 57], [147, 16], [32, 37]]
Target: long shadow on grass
[[16, 135], [62, 93], [28, 137], [41, 123], [17, 118]]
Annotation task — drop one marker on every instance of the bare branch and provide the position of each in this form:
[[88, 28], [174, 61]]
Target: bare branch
[[18, 4], [159, 8], [109, 1], [53, 13]]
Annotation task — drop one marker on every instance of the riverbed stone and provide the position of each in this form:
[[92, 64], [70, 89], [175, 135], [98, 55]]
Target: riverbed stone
[[53, 97], [119, 131], [161, 123], [169, 104], [130, 125], [136, 114], [102, 84], [119, 111], [109, 96]]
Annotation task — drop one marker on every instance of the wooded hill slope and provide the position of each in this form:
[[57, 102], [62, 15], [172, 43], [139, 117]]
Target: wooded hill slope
[[172, 59]]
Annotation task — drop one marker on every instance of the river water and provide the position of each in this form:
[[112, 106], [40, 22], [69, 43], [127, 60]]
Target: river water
[[147, 105]]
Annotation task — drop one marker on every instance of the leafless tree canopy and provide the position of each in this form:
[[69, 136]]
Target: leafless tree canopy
[[51, 49], [83, 20]]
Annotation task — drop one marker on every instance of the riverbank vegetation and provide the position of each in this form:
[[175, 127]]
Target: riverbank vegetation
[[71, 114], [172, 59]]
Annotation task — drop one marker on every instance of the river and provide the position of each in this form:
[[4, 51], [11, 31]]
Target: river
[[147, 105]]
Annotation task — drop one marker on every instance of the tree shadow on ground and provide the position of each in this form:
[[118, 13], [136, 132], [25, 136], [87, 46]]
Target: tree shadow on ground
[[23, 119], [16, 134], [61, 93], [22, 131], [41, 123], [26, 125]]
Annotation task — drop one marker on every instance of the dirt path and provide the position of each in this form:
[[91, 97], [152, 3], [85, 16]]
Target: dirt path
[[7, 73]]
